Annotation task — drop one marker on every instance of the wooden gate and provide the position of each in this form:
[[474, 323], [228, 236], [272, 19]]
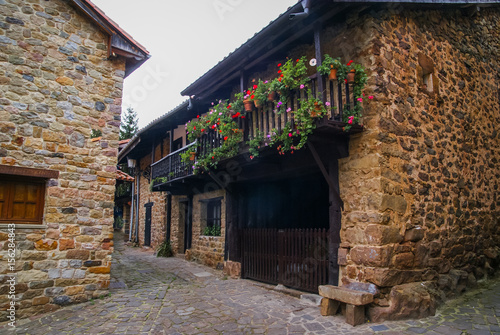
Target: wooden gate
[[296, 258]]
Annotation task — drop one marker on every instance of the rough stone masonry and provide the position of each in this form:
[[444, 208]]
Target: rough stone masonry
[[56, 85]]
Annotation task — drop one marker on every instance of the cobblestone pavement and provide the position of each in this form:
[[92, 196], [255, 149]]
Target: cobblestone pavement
[[172, 296]]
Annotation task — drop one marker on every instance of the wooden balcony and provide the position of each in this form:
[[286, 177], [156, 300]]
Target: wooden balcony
[[264, 120], [171, 168]]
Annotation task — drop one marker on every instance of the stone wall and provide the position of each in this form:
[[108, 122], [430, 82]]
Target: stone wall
[[208, 250], [420, 184], [158, 210], [56, 84]]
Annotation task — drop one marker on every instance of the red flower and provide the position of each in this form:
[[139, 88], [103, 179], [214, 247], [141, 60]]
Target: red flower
[[202, 130], [197, 116], [252, 96], [254, 87], [279, 64], [220, 131], [298, 60], [350, 62], [225, 138], [279, 71], [228, 106], [279, 79], [248, 92], [194, 128], [345, 81], [213, 157]]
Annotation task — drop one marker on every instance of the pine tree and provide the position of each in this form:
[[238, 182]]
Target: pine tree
[[128, 126]]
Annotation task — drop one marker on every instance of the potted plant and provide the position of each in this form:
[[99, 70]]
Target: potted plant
[[330, 66], [261, 92]]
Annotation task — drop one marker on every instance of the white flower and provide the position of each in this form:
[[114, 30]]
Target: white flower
[[312, 62]]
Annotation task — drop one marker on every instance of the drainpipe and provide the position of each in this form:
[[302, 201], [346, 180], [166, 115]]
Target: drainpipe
[[131, 214], [137, 207], [306, 4]]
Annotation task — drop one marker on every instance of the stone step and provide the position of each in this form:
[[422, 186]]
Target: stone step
[[339, 293]]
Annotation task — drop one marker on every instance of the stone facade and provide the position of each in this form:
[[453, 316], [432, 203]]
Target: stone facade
[[158, 213], [420, 184], [56, 85], [208, 250]]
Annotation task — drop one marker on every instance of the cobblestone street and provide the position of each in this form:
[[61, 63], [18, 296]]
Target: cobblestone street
[[172, 296]]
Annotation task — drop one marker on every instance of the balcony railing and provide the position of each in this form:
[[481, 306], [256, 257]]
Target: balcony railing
[[171, 167], [264, 119]]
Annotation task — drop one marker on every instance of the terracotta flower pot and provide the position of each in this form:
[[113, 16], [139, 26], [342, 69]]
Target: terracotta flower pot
[[333, 74], [271, 96], [314, 113], [248, 105], [193, 155], [257, 103], [350, 76]]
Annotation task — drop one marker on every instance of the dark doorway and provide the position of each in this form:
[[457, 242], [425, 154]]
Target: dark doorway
[[147, 224], [188, 222], [176, 145]]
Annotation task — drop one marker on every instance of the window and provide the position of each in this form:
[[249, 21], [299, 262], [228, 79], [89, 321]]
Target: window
[[21, 199], [213, 217]]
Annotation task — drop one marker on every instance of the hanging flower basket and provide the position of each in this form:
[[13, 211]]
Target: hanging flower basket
[[333, 74], [271, 96], [248, 105], [192, 155], [350, 76]]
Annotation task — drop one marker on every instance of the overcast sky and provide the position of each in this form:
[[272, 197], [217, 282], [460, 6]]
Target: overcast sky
[[186, 38]]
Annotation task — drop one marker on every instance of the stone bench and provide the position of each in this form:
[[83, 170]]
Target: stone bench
[[355, 301]]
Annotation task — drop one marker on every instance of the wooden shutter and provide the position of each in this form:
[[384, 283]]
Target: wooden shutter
[[21, 200]]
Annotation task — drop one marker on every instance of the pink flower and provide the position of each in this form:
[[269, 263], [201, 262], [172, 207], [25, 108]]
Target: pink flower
[[327, 103], [370, 97], [351, 118], [289, 110], [302, 86], [360, 99], [290, 135]]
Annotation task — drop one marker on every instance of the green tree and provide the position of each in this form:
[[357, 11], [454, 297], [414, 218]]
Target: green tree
[[128, 126]]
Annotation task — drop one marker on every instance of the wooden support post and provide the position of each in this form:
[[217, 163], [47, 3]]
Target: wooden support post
[[319, 55], [335, 223]]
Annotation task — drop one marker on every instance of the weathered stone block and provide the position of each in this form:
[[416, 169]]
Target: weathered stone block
[[345, 295], [381, 234], [40, 301], [395, 203], [41, 284], [78, 254], [371, 255], [329, 307], [415, 234]]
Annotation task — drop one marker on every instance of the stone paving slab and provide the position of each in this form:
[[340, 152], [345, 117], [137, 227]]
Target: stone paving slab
[[152, 295]]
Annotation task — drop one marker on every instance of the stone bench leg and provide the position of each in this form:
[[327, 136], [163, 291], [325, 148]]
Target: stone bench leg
[[329, 306], [354, 315]]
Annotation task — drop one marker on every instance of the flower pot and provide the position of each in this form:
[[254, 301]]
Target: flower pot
[[314, 113], [248, 105], [257, 103], [350, 76], [192, 155], [333, 74], [271, 96]]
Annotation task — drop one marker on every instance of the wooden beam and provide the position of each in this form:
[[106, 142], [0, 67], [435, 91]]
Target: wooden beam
[[329, 180], [319, 54], [335, 224], [28, 172]]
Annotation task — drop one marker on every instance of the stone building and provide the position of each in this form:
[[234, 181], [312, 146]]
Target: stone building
[[62, 67], [404, 205]]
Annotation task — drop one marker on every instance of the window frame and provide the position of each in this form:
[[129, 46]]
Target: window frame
[[213, 205], [12, 181]]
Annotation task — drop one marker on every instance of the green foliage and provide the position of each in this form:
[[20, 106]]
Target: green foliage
[[122, 189], [129, 127], [305, 122], [95, 133], [255, 143], [221, 119], [211, 231], [165, 249], [118, 222], [330, 63], [292, 75]]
